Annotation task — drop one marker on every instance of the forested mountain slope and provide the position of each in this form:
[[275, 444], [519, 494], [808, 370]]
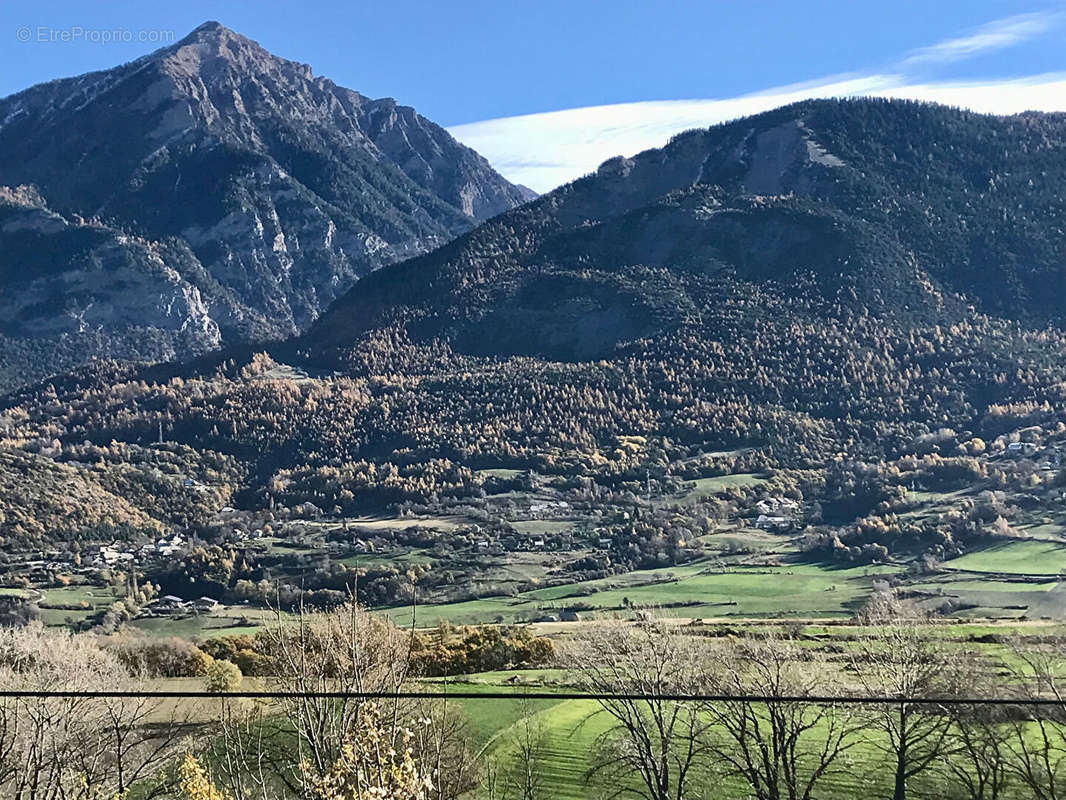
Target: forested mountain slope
[[847, 297], [885, 207]]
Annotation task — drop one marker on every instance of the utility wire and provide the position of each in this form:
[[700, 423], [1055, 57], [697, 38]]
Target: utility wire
[[546, 695]]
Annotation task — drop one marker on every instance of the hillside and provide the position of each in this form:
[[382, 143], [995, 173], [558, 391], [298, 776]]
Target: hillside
[[210, 192], [775, 300], [886, 207]]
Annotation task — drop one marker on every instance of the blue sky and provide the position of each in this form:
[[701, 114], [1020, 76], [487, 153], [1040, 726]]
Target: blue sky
[[462, 63]]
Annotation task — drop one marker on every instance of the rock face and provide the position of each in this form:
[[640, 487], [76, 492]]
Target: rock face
[[231, 195]]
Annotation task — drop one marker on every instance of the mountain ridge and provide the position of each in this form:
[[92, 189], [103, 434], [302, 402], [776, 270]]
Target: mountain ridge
[[724, 194], [283, 188]]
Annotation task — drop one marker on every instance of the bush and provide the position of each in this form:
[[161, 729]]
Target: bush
[[168, 657], [239, 649], [222, 677]]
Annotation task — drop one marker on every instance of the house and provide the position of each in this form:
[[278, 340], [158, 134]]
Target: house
[[767, 523], [167, 604], [1021, 447], [202, 604], [569, 616], [170, 546], [778, 506], [111, 555]]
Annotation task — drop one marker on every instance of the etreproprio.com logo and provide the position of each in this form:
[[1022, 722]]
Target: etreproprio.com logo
[[76, 33]]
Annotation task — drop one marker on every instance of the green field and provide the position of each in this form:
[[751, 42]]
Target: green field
[[415, 556], [224, 621], [504, 474], [995, 598], [402, 523], [535, 527], [697, 590], [1018, 557], [708, 487], [91, 598], [571, 729]]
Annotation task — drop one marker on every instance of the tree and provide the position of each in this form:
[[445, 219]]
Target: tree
[[222, 677], [978, 749], [1037, 742], [654, 738], [523, 777], [784, 746], [896, 659], [369, 766], [372, 767], [345, 654], [76, 748]]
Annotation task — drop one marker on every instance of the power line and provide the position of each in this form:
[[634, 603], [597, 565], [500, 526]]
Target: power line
[[543, 695]]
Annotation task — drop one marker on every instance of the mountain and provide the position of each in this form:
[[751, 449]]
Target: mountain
[[887, 207], [211, 192], [837, 300]]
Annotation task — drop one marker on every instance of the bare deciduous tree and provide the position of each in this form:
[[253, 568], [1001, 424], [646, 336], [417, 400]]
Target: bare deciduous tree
[[244, 764], [978, 751], [899, 659], [1037, 742], [345, 651], [655, 743], [76, 748], [521, 777], [327, 661], [526, 778], [784, 746]]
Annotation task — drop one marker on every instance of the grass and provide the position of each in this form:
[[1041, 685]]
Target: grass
[[415, 556], [985, 597], [936, 497], [402, 523], [707, 487], [225, 621], [571, 729], [504, 474], [487, 718], [691, 591], [1018, 557], [1044, 530], [536, 527]]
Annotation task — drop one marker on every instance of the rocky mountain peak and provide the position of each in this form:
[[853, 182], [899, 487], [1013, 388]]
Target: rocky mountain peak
[[260, 191], [212, 50]]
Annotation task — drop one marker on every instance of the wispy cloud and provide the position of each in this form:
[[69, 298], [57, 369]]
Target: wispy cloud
[[543, 151], [996, 35]]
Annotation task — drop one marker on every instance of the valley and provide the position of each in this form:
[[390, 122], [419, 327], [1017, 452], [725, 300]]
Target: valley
[[745, 455]]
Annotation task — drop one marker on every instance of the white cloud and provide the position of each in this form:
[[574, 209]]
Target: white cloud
[[543, 151], [995, 35]]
